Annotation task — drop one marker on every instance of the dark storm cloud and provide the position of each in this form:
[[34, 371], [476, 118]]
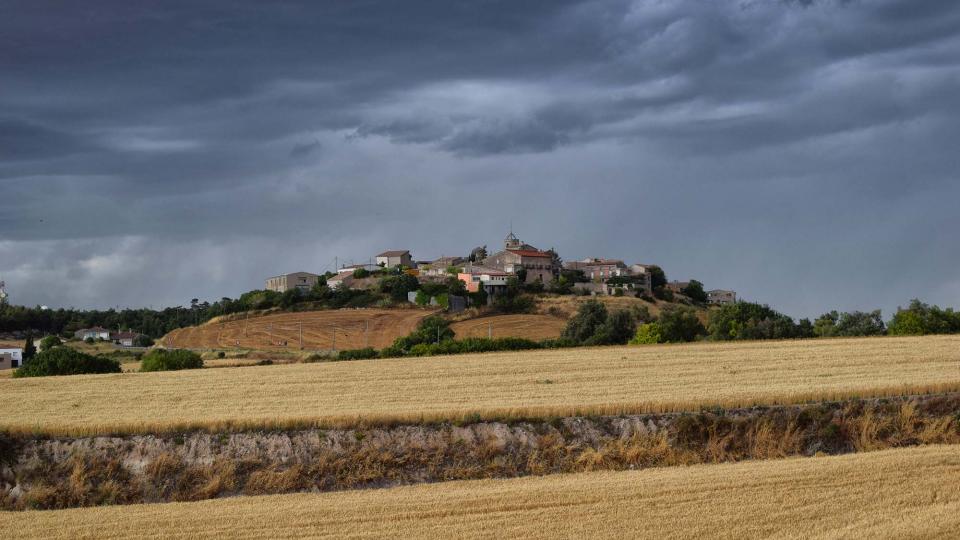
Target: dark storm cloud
[[734, 141]]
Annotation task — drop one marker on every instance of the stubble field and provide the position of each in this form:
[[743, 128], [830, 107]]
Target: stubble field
[[904, 493], [495, 386]]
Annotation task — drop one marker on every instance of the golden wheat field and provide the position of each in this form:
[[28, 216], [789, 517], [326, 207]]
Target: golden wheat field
[[328, 329], [903, 493], [535, 327], [583, 381]]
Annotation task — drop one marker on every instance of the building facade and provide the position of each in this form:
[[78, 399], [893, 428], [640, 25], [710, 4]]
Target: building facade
[[299, 280], [11, 358], [390, 259], [721, 297], [539, 265]]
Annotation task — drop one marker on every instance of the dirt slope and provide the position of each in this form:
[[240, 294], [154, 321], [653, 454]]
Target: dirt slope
[[354, 328], [535, 327]]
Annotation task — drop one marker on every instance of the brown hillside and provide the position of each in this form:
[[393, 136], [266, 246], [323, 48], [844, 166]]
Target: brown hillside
[[354, 328], [535, 327]]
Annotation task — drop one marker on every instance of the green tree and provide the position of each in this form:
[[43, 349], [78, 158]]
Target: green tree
[[617, 329], [50, 342], [658, 278], [694, 291], [680, 324], [747, 320], [920, 318], [647, 334], [29, 349], [361, 273], [584, 324]]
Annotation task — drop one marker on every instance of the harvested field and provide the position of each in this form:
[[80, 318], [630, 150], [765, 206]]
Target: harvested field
[[534, 327], [349, 328], [543, 383], [887, 494]]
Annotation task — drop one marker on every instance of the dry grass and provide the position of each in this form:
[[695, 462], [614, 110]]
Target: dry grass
[[888, 494], [535, 327], [547, 383], [354, 328]]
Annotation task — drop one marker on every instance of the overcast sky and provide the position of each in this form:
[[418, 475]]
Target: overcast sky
[[803, 153]]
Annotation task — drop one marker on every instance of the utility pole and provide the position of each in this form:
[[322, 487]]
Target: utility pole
[[334, 337], [490, 330], [366, 334], [270, 334], [300, 323]]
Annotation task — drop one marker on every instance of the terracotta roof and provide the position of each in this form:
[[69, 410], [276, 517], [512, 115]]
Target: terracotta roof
[[394, 253], [530, 253]]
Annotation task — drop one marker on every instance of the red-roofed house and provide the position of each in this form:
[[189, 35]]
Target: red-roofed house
[[540, 265]]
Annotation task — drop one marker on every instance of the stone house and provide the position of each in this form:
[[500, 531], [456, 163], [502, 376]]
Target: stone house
[[300, 280], [390, 259], [540, 265]]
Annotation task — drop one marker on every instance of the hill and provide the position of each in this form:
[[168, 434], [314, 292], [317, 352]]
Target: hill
[[319, 330], [529, 326]]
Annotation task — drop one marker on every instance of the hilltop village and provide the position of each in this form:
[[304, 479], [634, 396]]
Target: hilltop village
[[531, 267]]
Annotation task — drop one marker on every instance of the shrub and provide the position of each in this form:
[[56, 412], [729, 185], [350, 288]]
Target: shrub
[[589, 318], [66, 361], [694, 291], [89, 341], [647, 334], [361, 273], [50, 342], [221, 354], [856, 323], [616, 330], [680, 324], [357, 354], [746, 320], [143, 341], [170, 360], [919, 319]]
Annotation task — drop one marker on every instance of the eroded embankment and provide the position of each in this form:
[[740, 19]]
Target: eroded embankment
[[70, 472]]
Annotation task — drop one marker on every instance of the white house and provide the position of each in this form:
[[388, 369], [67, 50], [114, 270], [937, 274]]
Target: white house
[[11, 358], [93, 333]]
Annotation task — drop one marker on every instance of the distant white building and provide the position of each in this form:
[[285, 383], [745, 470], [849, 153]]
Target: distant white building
[[93, 333], [11, 358], [297, 280]]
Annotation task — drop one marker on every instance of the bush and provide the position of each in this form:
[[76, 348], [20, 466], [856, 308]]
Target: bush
[[143, 341], [589, 318], [50, 342], [845, 324], [361, 273], [648, 334], [919, 319], [357, 354], [616, 330], [694, 291], [679, 324], [170, 360], [746, 320], [89, 341], [66, 361]]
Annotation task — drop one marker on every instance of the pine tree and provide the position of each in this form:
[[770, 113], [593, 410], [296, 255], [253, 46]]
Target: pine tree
[[29, 349]]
